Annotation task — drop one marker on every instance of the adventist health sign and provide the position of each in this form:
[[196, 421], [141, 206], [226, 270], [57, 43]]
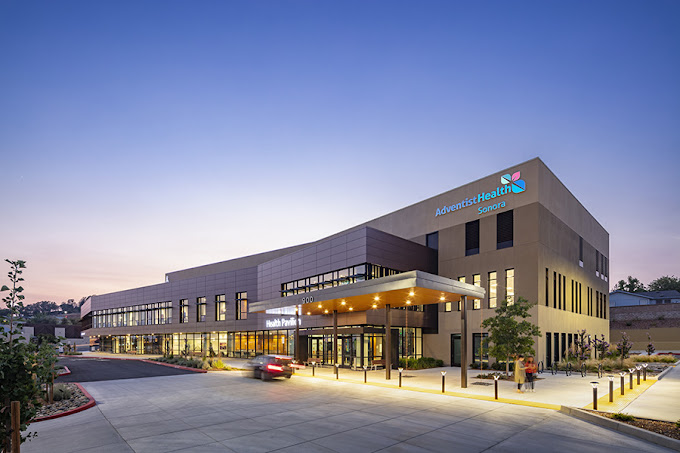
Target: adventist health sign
[[510, 184]]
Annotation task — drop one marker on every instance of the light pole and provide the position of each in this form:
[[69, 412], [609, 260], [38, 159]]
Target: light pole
[[611, 388], [594, 384], [443, 381]]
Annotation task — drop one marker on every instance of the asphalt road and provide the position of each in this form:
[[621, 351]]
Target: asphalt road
[[96, 369]]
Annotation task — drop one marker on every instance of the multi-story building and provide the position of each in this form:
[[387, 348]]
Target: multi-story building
[[395, 283]]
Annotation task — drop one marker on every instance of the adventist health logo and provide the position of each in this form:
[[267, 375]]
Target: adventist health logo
[[510, 184]]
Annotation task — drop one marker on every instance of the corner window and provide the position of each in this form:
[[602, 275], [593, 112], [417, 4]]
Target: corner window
[[432, 240]]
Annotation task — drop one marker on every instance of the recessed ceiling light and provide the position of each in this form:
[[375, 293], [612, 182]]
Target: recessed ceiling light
[[350, 309], [411, 294], [375, 305], [343, 302], [376, 298], [408, 302], [325, 311]]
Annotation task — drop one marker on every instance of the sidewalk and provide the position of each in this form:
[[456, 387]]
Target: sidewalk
[[651, 399]]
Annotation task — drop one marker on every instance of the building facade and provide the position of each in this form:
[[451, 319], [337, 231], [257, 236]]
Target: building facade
[[415, 282]]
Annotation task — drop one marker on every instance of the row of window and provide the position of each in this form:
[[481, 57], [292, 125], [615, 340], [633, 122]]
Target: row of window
[[504, 233], [135, 315], [492, 292], [601, 261], [338, 277], [595, 306], [240, 308]]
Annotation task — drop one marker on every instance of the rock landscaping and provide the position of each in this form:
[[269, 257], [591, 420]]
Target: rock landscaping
[[72, 398]]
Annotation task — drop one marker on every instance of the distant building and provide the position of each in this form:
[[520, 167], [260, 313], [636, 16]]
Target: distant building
[[656, 313]]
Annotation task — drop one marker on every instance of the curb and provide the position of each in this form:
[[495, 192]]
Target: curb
[[65, 373], [624, 428], [666, 371], [88, 405]]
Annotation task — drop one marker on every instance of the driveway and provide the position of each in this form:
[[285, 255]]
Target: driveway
[[226, 412], [95, 369]]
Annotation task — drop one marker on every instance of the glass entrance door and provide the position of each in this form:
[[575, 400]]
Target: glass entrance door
[[455, 349]]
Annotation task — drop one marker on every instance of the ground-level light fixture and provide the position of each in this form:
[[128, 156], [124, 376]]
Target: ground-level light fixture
[[495, 385], [638, 368], [611, 388], [313, 368], [337, 371], [630, 373], [623, 382], [365, 370], [443, 381], [644, 371], [400, 370], [594, 384]]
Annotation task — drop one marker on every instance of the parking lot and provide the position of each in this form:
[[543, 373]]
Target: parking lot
[[92, 369], [228, 412]]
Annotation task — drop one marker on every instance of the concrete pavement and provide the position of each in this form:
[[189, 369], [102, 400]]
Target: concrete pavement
[[226, 412]]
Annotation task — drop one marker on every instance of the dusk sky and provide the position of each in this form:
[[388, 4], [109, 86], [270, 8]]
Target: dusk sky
[[139, 138]]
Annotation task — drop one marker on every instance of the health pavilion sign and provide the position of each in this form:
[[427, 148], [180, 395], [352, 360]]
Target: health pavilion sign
[[510, 184]]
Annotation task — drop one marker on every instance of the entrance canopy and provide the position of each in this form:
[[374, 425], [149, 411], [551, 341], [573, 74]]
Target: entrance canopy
[[400, 290]]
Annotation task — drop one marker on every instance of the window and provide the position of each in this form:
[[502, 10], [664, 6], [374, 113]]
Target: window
[[184, 310], [580, 251], [477, 281], [242, 305], [559, 291], [510, 286], [472, 238], [200, 309], [504, 230], [554, 289], [447, 306], [493, 290], [597, 263], [564, 292], [220, 307], [547, 286], [580, 299], [432, 240], [572, 296]]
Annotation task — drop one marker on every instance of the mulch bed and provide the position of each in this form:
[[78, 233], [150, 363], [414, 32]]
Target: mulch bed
[[669, 429]]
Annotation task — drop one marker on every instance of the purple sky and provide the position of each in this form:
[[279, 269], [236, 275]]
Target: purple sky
[[143, 137]]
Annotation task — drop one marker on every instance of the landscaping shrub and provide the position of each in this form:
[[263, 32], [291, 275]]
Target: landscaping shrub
[[420, 363], [61, 392], [218, 364], [623, 417], [654, 358]]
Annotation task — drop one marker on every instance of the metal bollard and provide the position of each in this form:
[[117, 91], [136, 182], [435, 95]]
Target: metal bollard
[[313, 368], [630, 372], [365, 369], [644, 371], [638, 368], [337, 371], [623, 382], [443, 381], [495, 385], [400, 370], [611, 388], [594, 384]]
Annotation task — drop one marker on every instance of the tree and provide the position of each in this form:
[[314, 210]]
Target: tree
[[665, 283], [508, 335], [17, 362], [633, 285], [650, 345], [624, 346]]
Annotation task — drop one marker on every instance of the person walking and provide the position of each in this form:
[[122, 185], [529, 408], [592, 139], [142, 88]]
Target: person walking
[[519, 373], [530, 370]]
